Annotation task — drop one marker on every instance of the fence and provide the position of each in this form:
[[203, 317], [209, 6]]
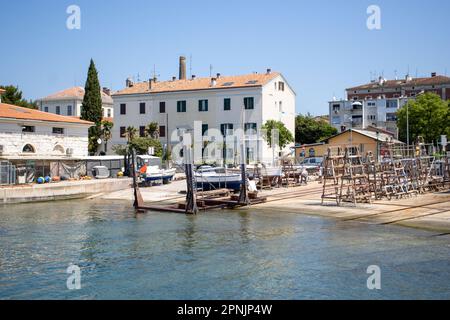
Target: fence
[[7, 173]]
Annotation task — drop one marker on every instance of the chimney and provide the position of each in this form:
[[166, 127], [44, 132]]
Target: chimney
[[129, 83], [269, 71], [433, 74], [218, 76], [106, 91], [408, 78], [193, 77], [182, 71], [150, 84], [213, 82], [174, 78]]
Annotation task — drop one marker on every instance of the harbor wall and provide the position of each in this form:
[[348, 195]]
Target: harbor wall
[[61, 190]]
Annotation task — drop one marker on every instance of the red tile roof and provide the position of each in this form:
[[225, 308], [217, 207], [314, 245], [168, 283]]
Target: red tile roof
[[14, 112], [74, 93], [415, 82], [223, 82]]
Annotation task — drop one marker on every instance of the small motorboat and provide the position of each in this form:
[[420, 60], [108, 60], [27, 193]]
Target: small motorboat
[[212, 178], [154, 173]]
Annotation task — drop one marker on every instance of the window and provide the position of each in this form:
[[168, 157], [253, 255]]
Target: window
[[162, 131], [371, 117], [336, 120], [69, 110], [58, 130], [336, 107], [122, 132], [142, 108], [45, 109], [227, 104], [28, 148], [280, 107], [204, 129], [276, 85], [225, 128], [391, 117], [312, 152], [181, 106], [355, 98], [391, 104], [123, 108], [249, 103], [202, 105], [28, 129], [281, 86], [58, 149], [250, 128], [250, 155], [142, 131], [162, 107], [58, 110], [109, 113]]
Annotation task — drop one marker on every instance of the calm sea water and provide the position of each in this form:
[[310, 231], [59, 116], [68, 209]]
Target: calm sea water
[[216, 255]]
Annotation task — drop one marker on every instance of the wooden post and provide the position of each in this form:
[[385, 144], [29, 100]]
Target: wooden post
[[138, 201], [191, 196], [243, 195]]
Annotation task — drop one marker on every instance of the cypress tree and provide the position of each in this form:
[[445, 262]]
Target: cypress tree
[[91, 108]]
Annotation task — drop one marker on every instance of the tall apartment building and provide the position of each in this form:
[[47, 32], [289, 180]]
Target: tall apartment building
[[376, 103], [225, 103]]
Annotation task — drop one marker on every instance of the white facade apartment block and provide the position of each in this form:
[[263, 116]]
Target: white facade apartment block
[[359, 114], [272, 101]]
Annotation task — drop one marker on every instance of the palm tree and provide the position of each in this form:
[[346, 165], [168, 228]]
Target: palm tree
[[106, 132], [152, 130], [130, 133]]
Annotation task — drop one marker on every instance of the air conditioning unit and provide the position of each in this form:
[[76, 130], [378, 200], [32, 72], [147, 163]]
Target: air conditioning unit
[[69, 151]]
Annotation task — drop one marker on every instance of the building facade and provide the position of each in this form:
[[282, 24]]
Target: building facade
[[365, 141], [27, 134], [225, 103], [68, 102], [376, 104]]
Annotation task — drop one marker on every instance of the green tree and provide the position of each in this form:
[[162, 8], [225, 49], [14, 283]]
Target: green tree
[[106, 132], [284, 135], [130, 132], [91, 108], [309, 130], [152, 130], [428, 117], [141, 145], [13, 96]]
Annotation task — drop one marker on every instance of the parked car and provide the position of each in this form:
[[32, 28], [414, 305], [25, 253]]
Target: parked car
[[312, 164]]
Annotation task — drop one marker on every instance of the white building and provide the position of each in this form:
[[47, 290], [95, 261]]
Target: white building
[[32, 134], [222, 102], [376, 104], [68, 102]]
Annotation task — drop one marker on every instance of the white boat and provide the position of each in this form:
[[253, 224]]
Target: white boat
[[154, 173], [211, 178]]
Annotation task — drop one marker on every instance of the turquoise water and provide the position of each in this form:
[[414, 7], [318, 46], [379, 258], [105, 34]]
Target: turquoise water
[[216, 255]]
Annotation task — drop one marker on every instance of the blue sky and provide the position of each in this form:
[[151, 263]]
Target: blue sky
[[321, 46]]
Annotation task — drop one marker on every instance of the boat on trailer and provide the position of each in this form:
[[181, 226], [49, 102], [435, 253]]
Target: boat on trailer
[[212, 178], [153, 173]]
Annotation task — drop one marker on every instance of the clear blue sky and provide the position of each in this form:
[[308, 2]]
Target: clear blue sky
[[321, 47]]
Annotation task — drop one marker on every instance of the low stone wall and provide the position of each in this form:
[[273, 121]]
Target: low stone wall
[[61, 190]]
